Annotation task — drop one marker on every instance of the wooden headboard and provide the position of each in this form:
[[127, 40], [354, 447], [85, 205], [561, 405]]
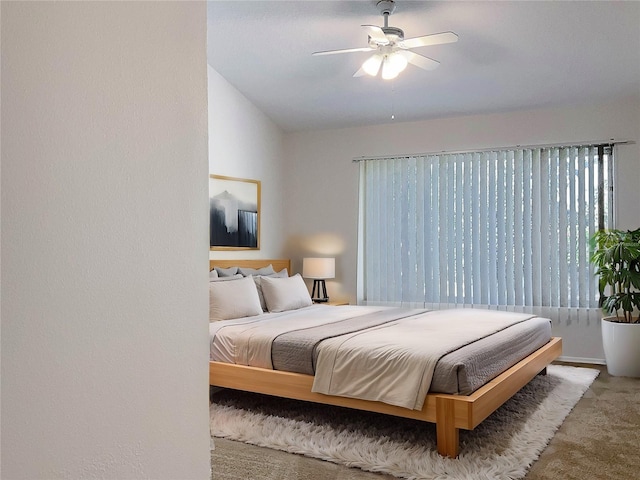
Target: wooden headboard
[[278, 264]]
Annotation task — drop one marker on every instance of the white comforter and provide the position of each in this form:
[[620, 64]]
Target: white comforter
[[247, 341], [392, 363]]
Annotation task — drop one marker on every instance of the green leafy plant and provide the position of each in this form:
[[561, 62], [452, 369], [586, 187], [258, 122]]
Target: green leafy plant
[[616, 256]]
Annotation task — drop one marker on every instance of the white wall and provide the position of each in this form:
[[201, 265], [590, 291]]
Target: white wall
[[322, 179], [104, 240], [245, 143]]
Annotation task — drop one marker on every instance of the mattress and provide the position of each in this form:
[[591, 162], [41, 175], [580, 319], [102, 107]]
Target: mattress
[[461, 371], [468, 368]]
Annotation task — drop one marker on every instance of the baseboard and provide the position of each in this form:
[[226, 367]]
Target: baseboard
[[593, 361]]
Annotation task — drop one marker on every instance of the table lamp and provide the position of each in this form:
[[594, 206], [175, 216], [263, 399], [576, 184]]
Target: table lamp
[[319, 269]]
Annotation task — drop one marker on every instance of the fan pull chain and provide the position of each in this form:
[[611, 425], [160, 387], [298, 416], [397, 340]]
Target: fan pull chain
[[393, 90]]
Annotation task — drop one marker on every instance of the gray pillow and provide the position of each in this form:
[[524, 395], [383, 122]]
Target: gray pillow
[[226, 272], [268, 270], [224, 279]]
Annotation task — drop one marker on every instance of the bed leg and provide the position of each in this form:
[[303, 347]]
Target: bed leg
[[543, 371], [446, 432]]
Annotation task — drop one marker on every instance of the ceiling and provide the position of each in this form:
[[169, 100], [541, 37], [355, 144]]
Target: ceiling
[[510, 56]]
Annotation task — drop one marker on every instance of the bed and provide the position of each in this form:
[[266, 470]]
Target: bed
[[449, 411]]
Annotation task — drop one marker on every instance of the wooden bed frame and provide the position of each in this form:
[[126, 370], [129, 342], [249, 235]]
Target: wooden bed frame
[[450, 413]]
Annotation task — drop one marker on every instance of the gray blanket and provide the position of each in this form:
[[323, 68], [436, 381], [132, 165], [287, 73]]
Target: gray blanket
[[296, 351]]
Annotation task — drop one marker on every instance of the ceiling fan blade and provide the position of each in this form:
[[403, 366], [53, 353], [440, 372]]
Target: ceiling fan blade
[[347, 50], [360, 72], [426, 40], [420, 61], [376, 34]]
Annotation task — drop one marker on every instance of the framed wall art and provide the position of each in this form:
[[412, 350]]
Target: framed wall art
[[234, 213]]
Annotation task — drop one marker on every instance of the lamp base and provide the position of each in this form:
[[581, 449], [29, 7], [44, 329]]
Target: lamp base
[[319, 287]]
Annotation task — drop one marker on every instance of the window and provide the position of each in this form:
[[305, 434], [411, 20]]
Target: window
[[500, 229]]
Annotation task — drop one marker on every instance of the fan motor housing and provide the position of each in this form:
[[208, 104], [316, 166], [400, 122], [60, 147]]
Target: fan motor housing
[[394, 31]]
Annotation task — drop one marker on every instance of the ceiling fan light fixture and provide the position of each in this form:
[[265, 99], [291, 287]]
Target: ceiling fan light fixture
[[398, 61], [393, 64], [371, 65], [391, 50]]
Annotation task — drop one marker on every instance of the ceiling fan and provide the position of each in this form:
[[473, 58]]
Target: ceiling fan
[[392, 50]]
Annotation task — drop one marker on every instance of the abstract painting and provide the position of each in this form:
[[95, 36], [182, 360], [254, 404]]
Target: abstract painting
[[234, 213]]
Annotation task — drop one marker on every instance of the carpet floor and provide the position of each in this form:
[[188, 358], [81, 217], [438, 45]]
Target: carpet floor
[[233, 460]]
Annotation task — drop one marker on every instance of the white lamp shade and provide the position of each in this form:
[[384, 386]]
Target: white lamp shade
[[398, 61], [319, 268], [392, 66], [372, 65]]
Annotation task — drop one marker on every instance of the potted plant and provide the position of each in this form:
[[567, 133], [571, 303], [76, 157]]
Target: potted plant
[[616, 256]]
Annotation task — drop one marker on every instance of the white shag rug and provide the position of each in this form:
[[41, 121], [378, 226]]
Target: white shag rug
[[503, 447]]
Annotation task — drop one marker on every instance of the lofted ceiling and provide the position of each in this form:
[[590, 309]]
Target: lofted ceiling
[[510, 56]]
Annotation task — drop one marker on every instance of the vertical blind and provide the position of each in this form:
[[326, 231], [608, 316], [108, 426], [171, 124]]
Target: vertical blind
[[506, 228]]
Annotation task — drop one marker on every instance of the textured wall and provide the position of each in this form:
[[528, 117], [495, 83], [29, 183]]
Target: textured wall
[[104, 240], [245, 143]]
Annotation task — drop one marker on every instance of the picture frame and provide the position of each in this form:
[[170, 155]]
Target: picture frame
[[234, 213]]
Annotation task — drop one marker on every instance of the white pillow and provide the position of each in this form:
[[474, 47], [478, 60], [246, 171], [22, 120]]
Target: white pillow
[[258, 280], [281, 294], [268, 270], [213, 274], [235, 299]]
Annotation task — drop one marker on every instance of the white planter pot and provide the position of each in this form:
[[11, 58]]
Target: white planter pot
[[621, 342]]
